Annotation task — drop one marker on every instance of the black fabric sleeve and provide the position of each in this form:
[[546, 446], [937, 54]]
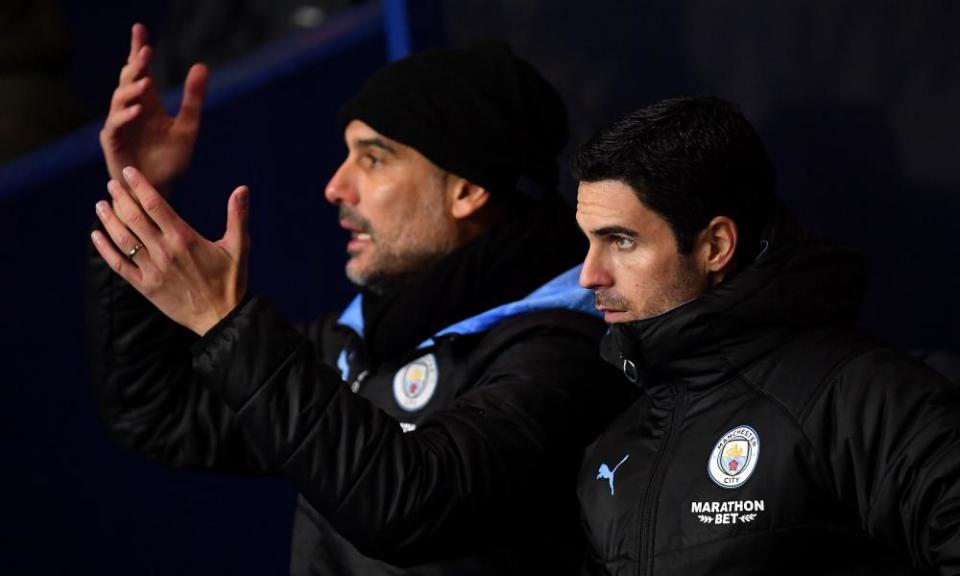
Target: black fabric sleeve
[[890, 429], [495, 462], [149, 396]]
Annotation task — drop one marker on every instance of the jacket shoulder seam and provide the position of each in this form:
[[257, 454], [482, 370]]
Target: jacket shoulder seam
[[842, 363], [795, 420]]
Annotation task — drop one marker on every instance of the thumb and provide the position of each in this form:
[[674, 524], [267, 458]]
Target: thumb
[[237, 238], [194, 90]]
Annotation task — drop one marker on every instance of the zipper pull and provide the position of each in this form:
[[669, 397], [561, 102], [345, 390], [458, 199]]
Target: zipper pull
[[355, 385], [628, 368]]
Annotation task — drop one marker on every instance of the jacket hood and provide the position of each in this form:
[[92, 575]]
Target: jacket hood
[[796, 282]]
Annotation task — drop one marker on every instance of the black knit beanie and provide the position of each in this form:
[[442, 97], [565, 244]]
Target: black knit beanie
[[480, 113]]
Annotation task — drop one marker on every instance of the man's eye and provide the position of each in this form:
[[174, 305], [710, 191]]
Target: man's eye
[[371, 160], [623, 243]]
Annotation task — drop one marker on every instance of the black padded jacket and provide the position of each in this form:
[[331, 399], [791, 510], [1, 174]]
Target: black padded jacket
[[769, 439], [480, 477]]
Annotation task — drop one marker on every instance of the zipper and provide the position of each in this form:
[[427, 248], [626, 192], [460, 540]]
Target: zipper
[[355, 385], [648, 504]]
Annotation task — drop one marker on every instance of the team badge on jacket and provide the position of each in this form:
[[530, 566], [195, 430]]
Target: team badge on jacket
[[734, 457], [415, 383]]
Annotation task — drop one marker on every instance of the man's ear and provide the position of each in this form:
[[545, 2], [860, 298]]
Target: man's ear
[[466, 198], [717, 244]]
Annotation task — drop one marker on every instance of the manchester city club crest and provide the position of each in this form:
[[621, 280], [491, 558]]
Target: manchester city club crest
[[734, 457], [415, 383]]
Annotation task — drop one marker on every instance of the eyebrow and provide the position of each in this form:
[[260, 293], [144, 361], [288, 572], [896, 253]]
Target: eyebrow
[[614, 231], [374, 143]]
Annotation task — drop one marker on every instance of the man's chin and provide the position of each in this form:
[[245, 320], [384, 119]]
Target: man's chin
[[354, 272], [375, 280], [360, 272], [618, 316]]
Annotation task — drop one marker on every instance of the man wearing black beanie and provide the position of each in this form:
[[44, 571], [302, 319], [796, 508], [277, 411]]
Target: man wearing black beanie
[[435, 426]]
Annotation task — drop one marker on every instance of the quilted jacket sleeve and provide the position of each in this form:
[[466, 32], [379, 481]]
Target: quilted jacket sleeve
[[495, 461], [890, 428], [149, 396]]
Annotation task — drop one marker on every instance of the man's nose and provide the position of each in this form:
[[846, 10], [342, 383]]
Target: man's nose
[[594, 274], [341, 188]]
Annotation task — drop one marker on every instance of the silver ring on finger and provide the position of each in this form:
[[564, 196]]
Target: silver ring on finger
[[133, 251]]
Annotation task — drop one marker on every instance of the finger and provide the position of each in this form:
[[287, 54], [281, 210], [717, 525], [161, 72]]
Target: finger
[[236, 237], [138, 39], [138, 67], [116, 261], [194, 90], [120, 235], [123, 95], [157, 209], [116, 121], [124, 241], [129, 212]]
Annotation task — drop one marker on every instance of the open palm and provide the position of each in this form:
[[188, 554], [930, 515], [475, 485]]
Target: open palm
[[139, 132]]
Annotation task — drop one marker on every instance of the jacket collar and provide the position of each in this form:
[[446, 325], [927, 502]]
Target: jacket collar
[[562, 292], [796, 282], [504, 266]]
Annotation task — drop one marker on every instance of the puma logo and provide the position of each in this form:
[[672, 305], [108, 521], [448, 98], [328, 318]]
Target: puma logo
[[606, 472]]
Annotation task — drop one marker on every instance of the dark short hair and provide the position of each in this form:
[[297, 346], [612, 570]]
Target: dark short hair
[[689, 160]]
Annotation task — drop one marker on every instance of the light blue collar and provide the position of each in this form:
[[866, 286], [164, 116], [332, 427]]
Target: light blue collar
[[352, 316], [562, 292]]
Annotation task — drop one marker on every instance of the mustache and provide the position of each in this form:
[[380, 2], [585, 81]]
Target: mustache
[[609, 299], [356, 221]]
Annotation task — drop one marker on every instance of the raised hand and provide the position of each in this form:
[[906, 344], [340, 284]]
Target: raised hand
[[138, 131], [194, 281]]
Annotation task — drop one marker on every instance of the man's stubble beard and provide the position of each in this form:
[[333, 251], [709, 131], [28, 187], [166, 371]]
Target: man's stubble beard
[[426, 238], [685, 285], [403, 268]]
